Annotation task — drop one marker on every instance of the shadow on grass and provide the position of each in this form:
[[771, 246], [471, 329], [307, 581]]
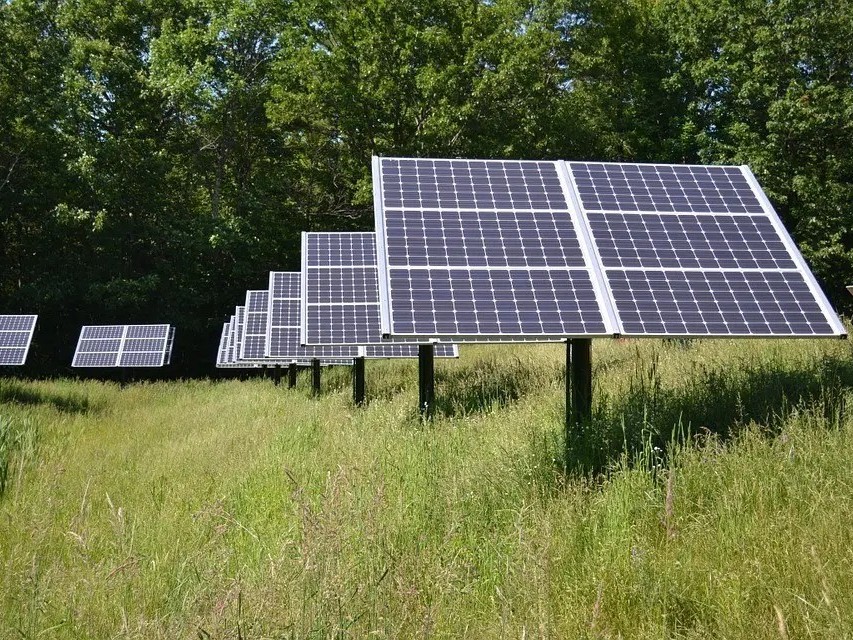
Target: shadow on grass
[[489, 384], [649, 416], [12, 391]]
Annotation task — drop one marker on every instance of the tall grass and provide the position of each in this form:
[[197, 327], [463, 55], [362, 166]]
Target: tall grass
[[709, 497]]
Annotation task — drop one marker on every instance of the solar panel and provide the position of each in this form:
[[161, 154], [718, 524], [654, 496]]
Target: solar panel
[[693, 250], [340, 296], [123, 346], [483, 251], [498, 250], [16, 335], [283, 329]]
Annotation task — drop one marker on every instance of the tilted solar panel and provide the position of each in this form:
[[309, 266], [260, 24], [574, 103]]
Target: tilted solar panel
[[340, 296], [483, 251], [283, 324], [692, 250], [16, 335], [496, 250], [123, 346]]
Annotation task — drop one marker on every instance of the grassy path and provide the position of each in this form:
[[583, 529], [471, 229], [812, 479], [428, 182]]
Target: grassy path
[[711, 497]]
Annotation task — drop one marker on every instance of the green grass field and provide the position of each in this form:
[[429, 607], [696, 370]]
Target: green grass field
[[710, 497]]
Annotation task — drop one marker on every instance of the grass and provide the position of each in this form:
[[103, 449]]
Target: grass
[[709, 497]]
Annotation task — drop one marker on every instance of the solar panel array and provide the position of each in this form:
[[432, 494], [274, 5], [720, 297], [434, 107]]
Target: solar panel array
[[340, 296], [494, 250], [135, 345], [16, 335]]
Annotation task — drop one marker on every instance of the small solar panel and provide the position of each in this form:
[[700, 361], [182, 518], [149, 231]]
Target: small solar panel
[[483, 251], [283, 328], [123, 346], [16, 335], [340, 295]]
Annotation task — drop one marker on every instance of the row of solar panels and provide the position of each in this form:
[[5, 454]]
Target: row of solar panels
[[135, 345], [269, 329]]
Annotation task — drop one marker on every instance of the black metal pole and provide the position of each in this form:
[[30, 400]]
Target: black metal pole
[[276, 375], [358, 381], [569, 409], [315, 376], [264, 372], [426, 379], [581, 362], [291, 375]]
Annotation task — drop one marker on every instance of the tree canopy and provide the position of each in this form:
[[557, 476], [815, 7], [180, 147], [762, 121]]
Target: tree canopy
[[157, 159]]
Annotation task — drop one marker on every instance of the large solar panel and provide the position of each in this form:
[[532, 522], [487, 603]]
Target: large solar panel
[[483, 250], [692, 250], [16, 335], [494, 251], [135, 345], [340, 296]]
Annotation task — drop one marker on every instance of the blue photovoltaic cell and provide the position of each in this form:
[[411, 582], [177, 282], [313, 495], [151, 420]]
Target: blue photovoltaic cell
[[255, 331], [688, 241], [470, 248], [409, 183], [662, 188], [341, 249], [123, 346], [717, 303], [16, 334], [494, 302]]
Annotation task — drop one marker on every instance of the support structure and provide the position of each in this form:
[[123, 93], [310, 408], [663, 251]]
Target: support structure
[[315, 376], [291, 375], [426, 379], [581, 380], [578, 387], [276, 375], [358, 381]]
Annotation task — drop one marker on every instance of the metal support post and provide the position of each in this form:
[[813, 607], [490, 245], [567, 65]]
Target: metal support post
[[358, 381], [426, 379], [292, 370], [581, 362], [276, 375], [315, 376]]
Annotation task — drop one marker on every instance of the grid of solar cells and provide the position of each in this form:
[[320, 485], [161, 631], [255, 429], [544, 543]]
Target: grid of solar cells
[[484, 250], [255, 331], [387, 351], [656, 187], [16, 335], [123, 346], [697, 250], [170, 346], [283, 341]]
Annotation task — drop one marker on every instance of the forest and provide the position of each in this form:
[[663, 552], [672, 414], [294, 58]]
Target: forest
[[159, 158]]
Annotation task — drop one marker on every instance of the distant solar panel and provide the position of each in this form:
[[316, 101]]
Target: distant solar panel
[[340, 296], [692, 250], [123, 346], [16, 335], [483, 251], [495, 250], [283, 324]]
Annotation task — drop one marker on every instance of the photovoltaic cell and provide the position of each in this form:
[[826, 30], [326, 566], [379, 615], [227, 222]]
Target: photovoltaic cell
[[697, 251], [16, 334], [123, 346], [468, 249]]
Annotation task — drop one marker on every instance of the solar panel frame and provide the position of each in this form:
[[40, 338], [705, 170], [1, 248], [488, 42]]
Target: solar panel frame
[[15, 355], [587, 273], [110, 348], [743, 210]]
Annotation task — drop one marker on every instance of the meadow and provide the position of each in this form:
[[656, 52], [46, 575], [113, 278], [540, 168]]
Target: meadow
[[711, 496]]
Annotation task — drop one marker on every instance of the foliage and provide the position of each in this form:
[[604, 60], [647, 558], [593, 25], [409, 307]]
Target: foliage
[[158, 158]]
